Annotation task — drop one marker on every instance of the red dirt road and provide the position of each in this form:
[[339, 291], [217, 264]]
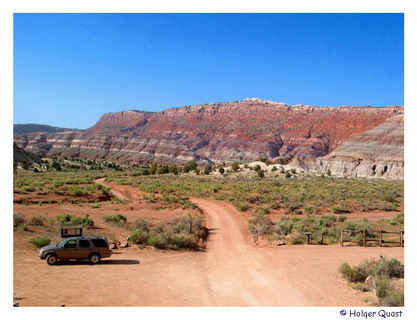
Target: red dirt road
[[231, 272]]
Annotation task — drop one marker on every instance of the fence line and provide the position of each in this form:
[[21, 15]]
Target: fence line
[[373, 236]]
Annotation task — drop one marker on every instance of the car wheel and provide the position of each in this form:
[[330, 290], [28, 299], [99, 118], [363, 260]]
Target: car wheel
[[51, 259], [94, 258]]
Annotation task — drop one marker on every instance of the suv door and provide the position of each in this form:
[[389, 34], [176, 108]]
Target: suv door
[[84, 248], [69, 250]]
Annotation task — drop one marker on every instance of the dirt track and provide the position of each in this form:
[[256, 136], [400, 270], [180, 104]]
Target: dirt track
[[231, 272]]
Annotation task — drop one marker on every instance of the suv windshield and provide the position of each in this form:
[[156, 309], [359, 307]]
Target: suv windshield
[[62, 243]]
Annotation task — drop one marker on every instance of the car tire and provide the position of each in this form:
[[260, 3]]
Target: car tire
[[52, 259], [94, 258]]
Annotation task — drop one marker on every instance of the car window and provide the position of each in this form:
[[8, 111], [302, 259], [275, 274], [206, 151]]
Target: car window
[[83, 243], [70, 244], [100, 243], [62, 243]]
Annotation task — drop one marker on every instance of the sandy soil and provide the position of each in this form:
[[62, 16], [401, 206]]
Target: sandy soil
[[232, 271]]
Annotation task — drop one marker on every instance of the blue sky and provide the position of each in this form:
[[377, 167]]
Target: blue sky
[[69, 69]]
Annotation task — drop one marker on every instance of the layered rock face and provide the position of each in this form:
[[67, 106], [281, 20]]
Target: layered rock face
[[120, 122], [233, 131], [376, 153]]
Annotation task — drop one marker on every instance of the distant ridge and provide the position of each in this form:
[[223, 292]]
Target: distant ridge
[[24, 128], [242, 131]]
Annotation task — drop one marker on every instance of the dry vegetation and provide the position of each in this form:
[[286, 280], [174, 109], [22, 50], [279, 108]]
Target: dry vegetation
[[281, 206]]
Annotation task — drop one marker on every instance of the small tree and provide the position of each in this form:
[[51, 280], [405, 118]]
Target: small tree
[[329, 173], [25, 165], [221, 170], [261, 173], [235, 166]]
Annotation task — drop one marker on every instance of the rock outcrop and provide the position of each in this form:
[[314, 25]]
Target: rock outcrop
[[376, 153], [216, 132]]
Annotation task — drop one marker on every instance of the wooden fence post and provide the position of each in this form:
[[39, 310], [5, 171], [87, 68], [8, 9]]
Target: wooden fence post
[[341, 238], [380, 238], [364, 237], [401, 238]]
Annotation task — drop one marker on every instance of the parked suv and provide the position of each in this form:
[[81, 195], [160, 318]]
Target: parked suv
[[77, 248]]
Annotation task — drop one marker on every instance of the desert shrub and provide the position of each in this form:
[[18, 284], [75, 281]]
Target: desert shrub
[[382, 286], [95, 205], [381, 268], [68, 219], [341, 218], [357, 225], [393, 297], [348, 272], [275, 206], [262, 210], [37, 221], [139, 236], [284, 227], [261, 173], [399, 218], [118, 220], [221, 170], [242, 206], [18, 219], [141, 224], [310, 210], [341, 209], [182, 224], [40, 241], [296, 238], [260, 224], [190, 166]]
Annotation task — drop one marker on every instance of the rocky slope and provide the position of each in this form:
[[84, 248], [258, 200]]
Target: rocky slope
[[376, 153], [233, 131]]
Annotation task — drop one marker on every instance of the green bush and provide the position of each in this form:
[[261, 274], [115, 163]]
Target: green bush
[[261, 173], [260, 224], [399, 218], [242, 206], [262, 211], [68, 219], [141, 224], [393, 298], [182, 224], [40, 241], [341, 218], [118, 220], [235, 166], [139, 237], [383, 285], [381, 268], [341, 209], [348, 272], [284, 227]]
